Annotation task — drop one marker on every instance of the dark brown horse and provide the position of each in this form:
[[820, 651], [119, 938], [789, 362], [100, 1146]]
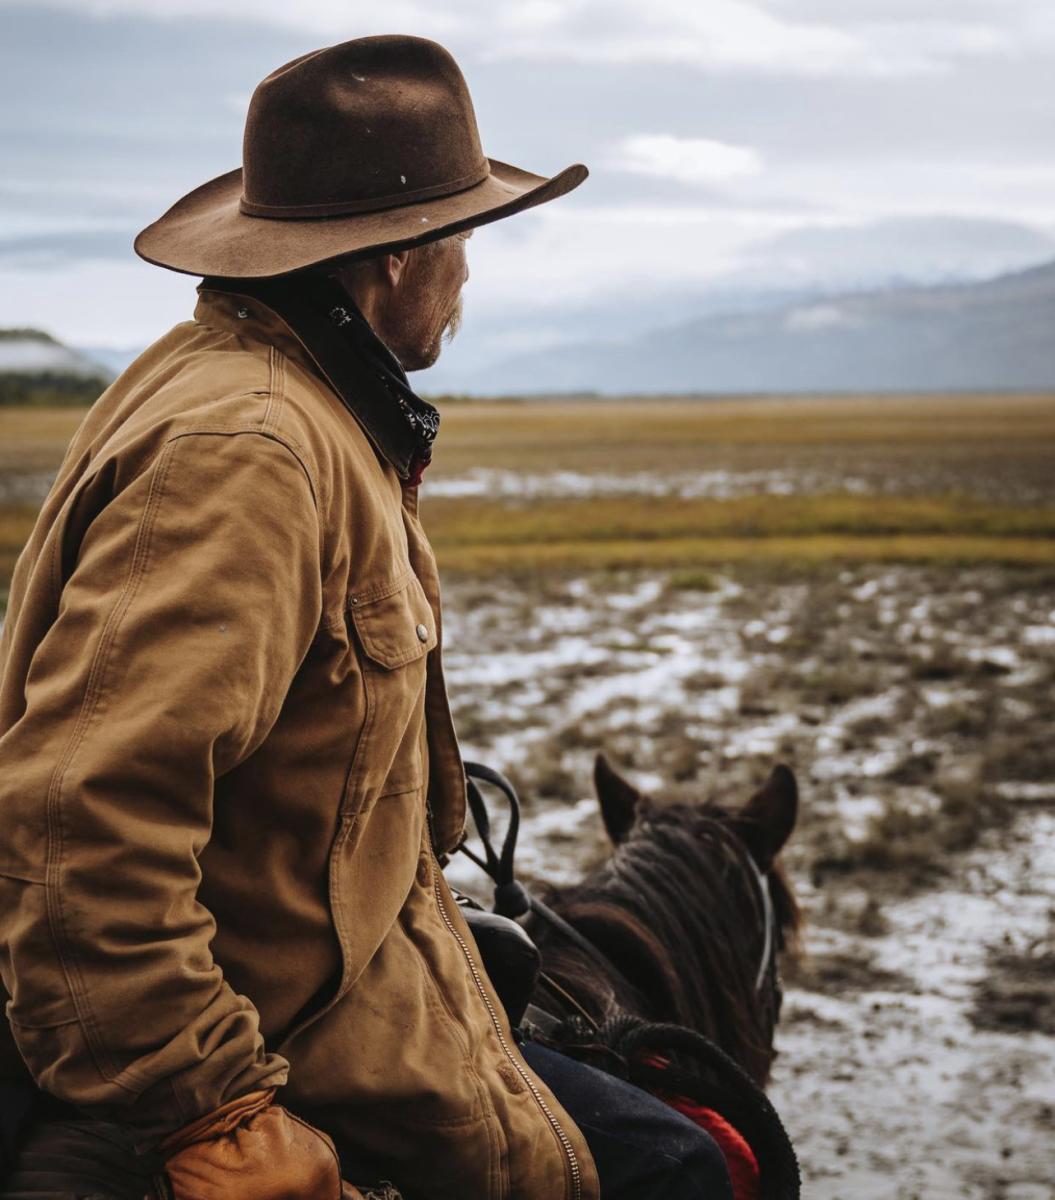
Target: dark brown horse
[[679, 916]]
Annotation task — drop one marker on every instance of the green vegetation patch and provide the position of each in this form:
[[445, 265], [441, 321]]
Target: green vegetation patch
[[38, 389], [467, 522], [975, 433], [697, 552], [689, 535]]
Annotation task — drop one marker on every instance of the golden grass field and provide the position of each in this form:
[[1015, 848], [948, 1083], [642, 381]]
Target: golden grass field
[[640, 431], [947, 479], [944, 479]]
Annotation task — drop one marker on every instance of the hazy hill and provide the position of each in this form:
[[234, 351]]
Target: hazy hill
[[991, 335], [789, 270], [37, 369], [897, 252]]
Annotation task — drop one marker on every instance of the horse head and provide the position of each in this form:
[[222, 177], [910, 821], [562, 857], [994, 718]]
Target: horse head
[[764, 823], [692, 910]]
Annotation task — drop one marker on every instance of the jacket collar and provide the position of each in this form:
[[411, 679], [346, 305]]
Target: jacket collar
[[314, 318]]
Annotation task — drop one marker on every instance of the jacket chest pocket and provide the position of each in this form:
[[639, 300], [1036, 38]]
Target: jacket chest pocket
[[395, 629]]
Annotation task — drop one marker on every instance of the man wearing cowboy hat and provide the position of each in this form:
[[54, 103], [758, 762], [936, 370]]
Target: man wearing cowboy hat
[[228, 770]]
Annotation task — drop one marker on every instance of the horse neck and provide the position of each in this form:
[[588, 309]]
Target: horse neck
[[662, 917]]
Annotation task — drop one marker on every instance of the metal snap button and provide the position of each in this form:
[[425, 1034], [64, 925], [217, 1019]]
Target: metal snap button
[[423, 633]]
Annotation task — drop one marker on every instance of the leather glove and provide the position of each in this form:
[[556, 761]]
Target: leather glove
[[251, 1149]]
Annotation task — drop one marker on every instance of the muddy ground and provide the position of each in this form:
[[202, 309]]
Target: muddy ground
[[917, 1050]]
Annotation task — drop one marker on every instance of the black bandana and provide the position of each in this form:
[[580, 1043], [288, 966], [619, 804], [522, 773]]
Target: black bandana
[[360, 368]]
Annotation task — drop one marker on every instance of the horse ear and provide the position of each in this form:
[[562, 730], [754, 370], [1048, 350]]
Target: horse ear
[[767, 819], [619, 799]]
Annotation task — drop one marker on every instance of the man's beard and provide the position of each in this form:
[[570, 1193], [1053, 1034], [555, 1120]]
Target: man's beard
[[454, 323], [421, 358]]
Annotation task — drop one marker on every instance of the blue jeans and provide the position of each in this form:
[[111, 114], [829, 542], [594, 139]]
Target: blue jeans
[[642, 1148]]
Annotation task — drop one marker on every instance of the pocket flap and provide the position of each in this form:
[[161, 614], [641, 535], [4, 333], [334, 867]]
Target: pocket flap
[[394, 623]]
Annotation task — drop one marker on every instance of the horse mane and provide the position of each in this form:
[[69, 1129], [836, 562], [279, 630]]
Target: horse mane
[[678, 915]]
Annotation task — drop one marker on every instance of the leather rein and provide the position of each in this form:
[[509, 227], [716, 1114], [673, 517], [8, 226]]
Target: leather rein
[[512, 899]]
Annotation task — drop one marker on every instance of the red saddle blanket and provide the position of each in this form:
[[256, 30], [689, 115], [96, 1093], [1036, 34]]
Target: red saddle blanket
[[739, 1157]]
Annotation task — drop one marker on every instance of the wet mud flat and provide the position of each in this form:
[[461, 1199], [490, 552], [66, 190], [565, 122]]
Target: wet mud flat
[[917, 1048]]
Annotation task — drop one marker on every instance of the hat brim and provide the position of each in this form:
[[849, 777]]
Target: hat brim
[[206, 233]]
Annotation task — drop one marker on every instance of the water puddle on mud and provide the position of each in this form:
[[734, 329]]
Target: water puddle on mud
[[917, 1053]]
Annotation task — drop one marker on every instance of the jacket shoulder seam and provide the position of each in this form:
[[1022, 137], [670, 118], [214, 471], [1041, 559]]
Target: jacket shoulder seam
[[257, 429]]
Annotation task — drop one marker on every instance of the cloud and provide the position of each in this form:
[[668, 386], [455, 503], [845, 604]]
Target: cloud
[[816, 318], [870, 190], [323, 16], [686, 160], [57, 249], [778, 37], [937, 35], [581, 251], [98, 303], [727, 35]]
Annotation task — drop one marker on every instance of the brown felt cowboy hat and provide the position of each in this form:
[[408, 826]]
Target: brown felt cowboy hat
[[356, 149]]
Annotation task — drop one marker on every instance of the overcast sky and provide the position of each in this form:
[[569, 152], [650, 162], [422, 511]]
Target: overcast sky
[[714, 129]]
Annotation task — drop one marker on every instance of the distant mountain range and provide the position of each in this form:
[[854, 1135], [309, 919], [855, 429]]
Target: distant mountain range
[[974, 335], [795, 268], [977, 336], [897, 251], [35, 350]]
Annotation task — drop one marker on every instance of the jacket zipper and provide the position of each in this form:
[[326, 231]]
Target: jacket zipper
[[562, 1137]]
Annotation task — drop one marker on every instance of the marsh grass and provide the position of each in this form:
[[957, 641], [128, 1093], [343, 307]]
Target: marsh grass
[[911, 846], [977, 448], [35, 439], [1018, 993], [661, 431], [468, 522], [693, 581], [693, 553], [984, 445]]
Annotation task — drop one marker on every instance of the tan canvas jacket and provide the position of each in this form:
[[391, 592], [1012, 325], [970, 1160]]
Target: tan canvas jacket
[[222, 722]]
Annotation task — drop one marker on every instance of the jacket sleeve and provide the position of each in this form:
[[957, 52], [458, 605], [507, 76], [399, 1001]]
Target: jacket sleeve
[[195, 596]]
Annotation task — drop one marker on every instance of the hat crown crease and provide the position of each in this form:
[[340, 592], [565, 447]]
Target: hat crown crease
[[367, 125]]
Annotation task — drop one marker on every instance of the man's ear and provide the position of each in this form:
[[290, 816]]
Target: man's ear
[[393, 266], [619, 799]]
